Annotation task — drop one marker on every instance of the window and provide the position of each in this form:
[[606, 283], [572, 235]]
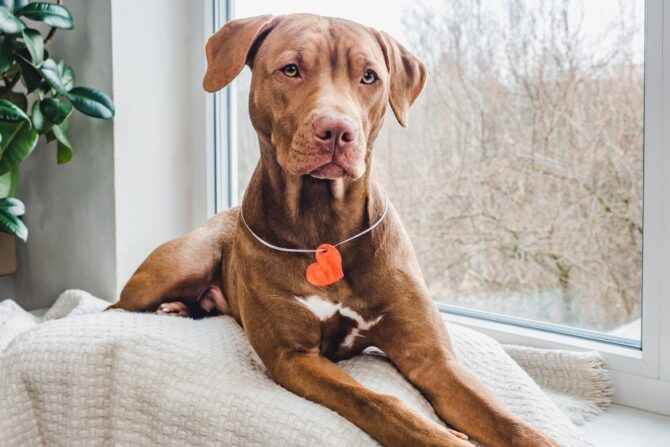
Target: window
[[521, 176]]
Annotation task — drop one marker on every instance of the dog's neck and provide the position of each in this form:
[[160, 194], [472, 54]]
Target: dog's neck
[[301, 211]]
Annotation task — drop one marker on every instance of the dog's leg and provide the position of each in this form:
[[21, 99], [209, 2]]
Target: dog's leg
[[184, 270], [418, 344], [384, 417], [287, 337]]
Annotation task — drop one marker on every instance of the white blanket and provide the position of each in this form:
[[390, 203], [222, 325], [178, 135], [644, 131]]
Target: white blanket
[[125, 379]]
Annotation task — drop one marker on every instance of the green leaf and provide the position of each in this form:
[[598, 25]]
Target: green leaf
[[51, 73], [18, 148], [6, 184], [54, 110], [19, 99], [9, 4], [65, 152], [11, 224], [11, 113], [53, 15], [14, 206], [8, 23], [40, 123], [91, 102], [66, 75], [30, 76], [14, 185], [7, 132], [35, 45], [6, 56]]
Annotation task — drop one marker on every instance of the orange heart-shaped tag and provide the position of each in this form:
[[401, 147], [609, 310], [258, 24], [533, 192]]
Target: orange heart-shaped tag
[[328, 267]]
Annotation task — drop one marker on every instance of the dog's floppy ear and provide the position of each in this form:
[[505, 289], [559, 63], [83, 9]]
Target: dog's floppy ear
[[407, 75], [231, 47]]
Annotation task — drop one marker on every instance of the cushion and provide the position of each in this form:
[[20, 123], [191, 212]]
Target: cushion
[[118, 378]]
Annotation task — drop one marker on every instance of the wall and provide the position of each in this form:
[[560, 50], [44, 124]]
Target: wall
[[70, 208], [133, 182], [159, 125]]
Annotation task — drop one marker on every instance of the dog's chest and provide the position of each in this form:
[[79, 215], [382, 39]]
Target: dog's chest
[[344, 330]]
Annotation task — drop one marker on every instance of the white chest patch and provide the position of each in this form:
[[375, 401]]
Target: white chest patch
[[324, 309]]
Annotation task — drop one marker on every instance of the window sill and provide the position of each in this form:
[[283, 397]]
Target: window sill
[[634, 381], [624, 426], [513, 334]]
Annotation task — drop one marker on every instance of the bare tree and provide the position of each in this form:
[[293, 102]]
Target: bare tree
[[520, 176], [520, 180]]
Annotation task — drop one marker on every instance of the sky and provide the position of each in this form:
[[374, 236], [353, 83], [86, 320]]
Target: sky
[[387, 15]]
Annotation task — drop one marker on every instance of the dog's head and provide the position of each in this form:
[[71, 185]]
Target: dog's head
[[319, 87]]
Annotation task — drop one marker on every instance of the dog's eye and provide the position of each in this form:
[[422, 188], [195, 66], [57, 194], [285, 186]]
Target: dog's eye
[[291, 70], [369, 77]]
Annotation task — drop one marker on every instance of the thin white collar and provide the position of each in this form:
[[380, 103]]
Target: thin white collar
[[304, 250]]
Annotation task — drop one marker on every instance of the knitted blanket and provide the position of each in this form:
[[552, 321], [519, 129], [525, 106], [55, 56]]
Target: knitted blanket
[[82, 377]]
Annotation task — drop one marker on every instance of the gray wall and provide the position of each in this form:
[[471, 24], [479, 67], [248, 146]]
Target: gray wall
[[134, 182], [70, 208]]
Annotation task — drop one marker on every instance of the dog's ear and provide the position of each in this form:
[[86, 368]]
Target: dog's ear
[[231, 47], [407, 75]]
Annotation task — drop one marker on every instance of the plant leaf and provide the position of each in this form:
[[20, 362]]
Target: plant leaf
[[54, 110], [11, 224], [9, 4], [19, 99], [8, 23], [65, 151], [9, 182], [91, 102], [6, 184], [13, 205], [7, 131], [66, 75], [53, 15], [35, 45], [30, 76], [10, 112], [51, 73], [14, 185], [40, 123], [18, 148], [6, 56]]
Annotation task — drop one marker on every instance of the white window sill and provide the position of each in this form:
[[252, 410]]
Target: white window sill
[[623, 426]]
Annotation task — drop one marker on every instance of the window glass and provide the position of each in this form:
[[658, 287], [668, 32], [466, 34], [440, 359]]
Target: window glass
[[519, 178]]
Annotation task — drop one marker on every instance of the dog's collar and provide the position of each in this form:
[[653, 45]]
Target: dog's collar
[[319, 249]]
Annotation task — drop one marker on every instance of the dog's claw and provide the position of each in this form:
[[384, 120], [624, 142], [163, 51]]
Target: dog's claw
[[458, 434]]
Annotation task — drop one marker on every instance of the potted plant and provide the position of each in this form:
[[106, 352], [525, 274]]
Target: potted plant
[[37, 99]]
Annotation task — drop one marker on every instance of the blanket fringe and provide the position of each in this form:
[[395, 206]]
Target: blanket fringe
[[582, 376]]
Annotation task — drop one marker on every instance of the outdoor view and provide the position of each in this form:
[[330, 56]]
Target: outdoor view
[[519, 177]]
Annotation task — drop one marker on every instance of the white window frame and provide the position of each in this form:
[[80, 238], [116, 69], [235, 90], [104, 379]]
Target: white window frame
[[641, 375]]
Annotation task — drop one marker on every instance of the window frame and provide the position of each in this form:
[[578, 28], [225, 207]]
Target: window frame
[[641, 375]]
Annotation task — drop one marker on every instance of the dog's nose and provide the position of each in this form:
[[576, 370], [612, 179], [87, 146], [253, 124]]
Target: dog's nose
[[333, 133]]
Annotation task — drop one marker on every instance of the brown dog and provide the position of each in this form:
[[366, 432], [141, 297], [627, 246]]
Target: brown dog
[[319, 92]]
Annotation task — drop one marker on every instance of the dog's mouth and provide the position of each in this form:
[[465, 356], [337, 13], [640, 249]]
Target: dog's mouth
[[328, 171]]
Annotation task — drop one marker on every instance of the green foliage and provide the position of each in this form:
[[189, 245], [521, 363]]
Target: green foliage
[[10, 212], [91, 102], [46, 97]]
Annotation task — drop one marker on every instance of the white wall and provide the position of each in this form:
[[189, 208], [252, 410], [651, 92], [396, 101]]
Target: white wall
[[159, 125], [133, 182]]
